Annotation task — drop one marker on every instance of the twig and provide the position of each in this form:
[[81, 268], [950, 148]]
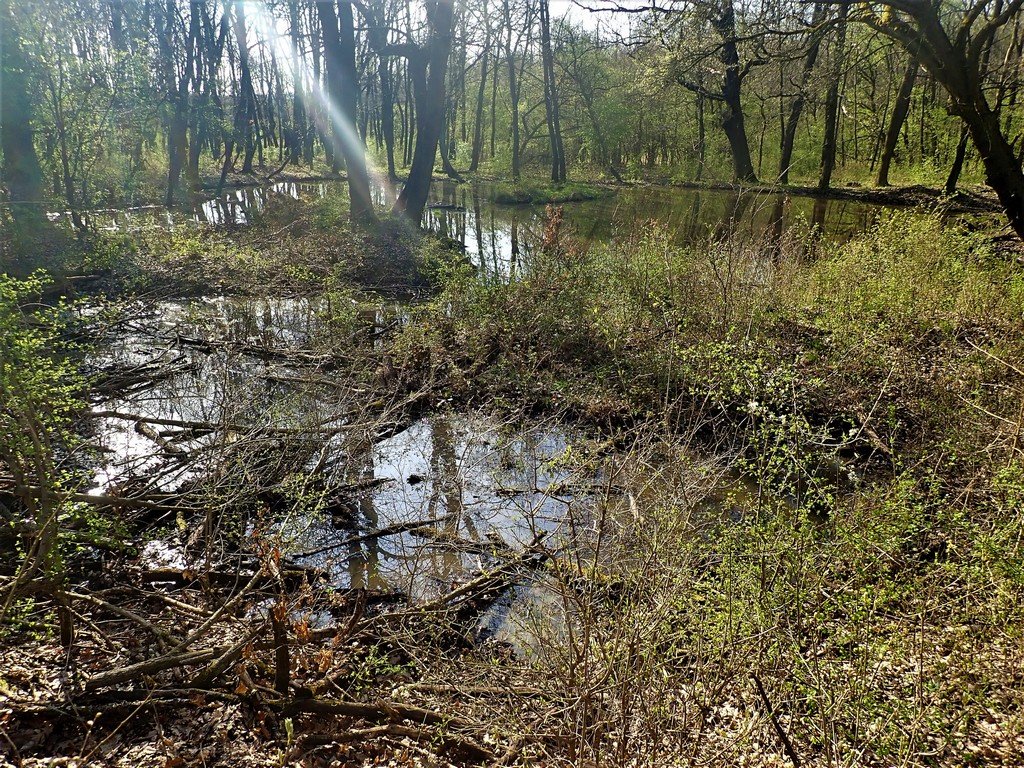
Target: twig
[[787, 745]]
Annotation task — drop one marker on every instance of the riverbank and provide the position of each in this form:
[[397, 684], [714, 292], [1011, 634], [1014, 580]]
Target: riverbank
[[970, 200]]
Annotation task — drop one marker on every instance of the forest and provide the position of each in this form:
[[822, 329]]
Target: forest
[[512, 383]]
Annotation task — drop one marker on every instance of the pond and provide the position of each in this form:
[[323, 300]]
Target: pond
[[497, 236], [199, 383]]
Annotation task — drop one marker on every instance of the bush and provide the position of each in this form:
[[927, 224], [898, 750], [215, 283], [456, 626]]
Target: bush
[[39, 393], [908, 274]]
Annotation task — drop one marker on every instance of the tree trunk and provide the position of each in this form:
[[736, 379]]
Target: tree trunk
[[829, 142], [701, 139], [195, 112], [957, 67], [494, 104], [732, 108], [428, 71], [796, 108], [246, 115], [298, 132], [177, 95], [958, 162], [1002, 169], [900, 110], [21, 170], [338, 31], [478, 124], [177, 151], [387, 114], [551, 97], [513, 88]]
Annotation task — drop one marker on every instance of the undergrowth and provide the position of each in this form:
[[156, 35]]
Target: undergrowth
[[864, 600]]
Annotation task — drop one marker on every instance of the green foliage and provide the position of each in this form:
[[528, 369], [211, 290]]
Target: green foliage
[[39, 392], [542, 194], [908, 274]]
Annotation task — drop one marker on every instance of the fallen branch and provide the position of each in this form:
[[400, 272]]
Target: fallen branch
[[393, 713], [391, 530], [149, 667]]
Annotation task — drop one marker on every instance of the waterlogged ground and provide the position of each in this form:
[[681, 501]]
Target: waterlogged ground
[[497, 238], [192, 383], [458, 493]]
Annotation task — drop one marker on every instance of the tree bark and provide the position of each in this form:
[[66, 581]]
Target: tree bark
[[338, 31]]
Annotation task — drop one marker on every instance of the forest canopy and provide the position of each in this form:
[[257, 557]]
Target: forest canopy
[[121, 102]]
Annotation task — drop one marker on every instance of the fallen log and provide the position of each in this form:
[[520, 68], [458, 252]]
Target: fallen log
[[150, 667], [183, 578]]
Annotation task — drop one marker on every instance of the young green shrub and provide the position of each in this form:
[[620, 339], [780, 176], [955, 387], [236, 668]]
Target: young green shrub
[[39, 397], [909, 273]]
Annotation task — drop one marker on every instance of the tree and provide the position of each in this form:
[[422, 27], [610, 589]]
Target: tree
[[21, 170], [551, 107], [428, 68], [900, 110], [377, 35], [796, 107], [476, 150], [579, 50], [298, 134], [247, 117], [511, 45], [828, 144], [721, 17], [338, 31], [950, 44]]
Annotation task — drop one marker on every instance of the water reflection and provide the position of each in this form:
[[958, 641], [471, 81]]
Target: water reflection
[[364, 557], [458, 493], [498, 238]]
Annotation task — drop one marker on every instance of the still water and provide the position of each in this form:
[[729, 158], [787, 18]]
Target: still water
[[497, 236], [466, 491]]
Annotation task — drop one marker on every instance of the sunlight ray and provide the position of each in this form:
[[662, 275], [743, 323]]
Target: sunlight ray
[[336, 129]]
